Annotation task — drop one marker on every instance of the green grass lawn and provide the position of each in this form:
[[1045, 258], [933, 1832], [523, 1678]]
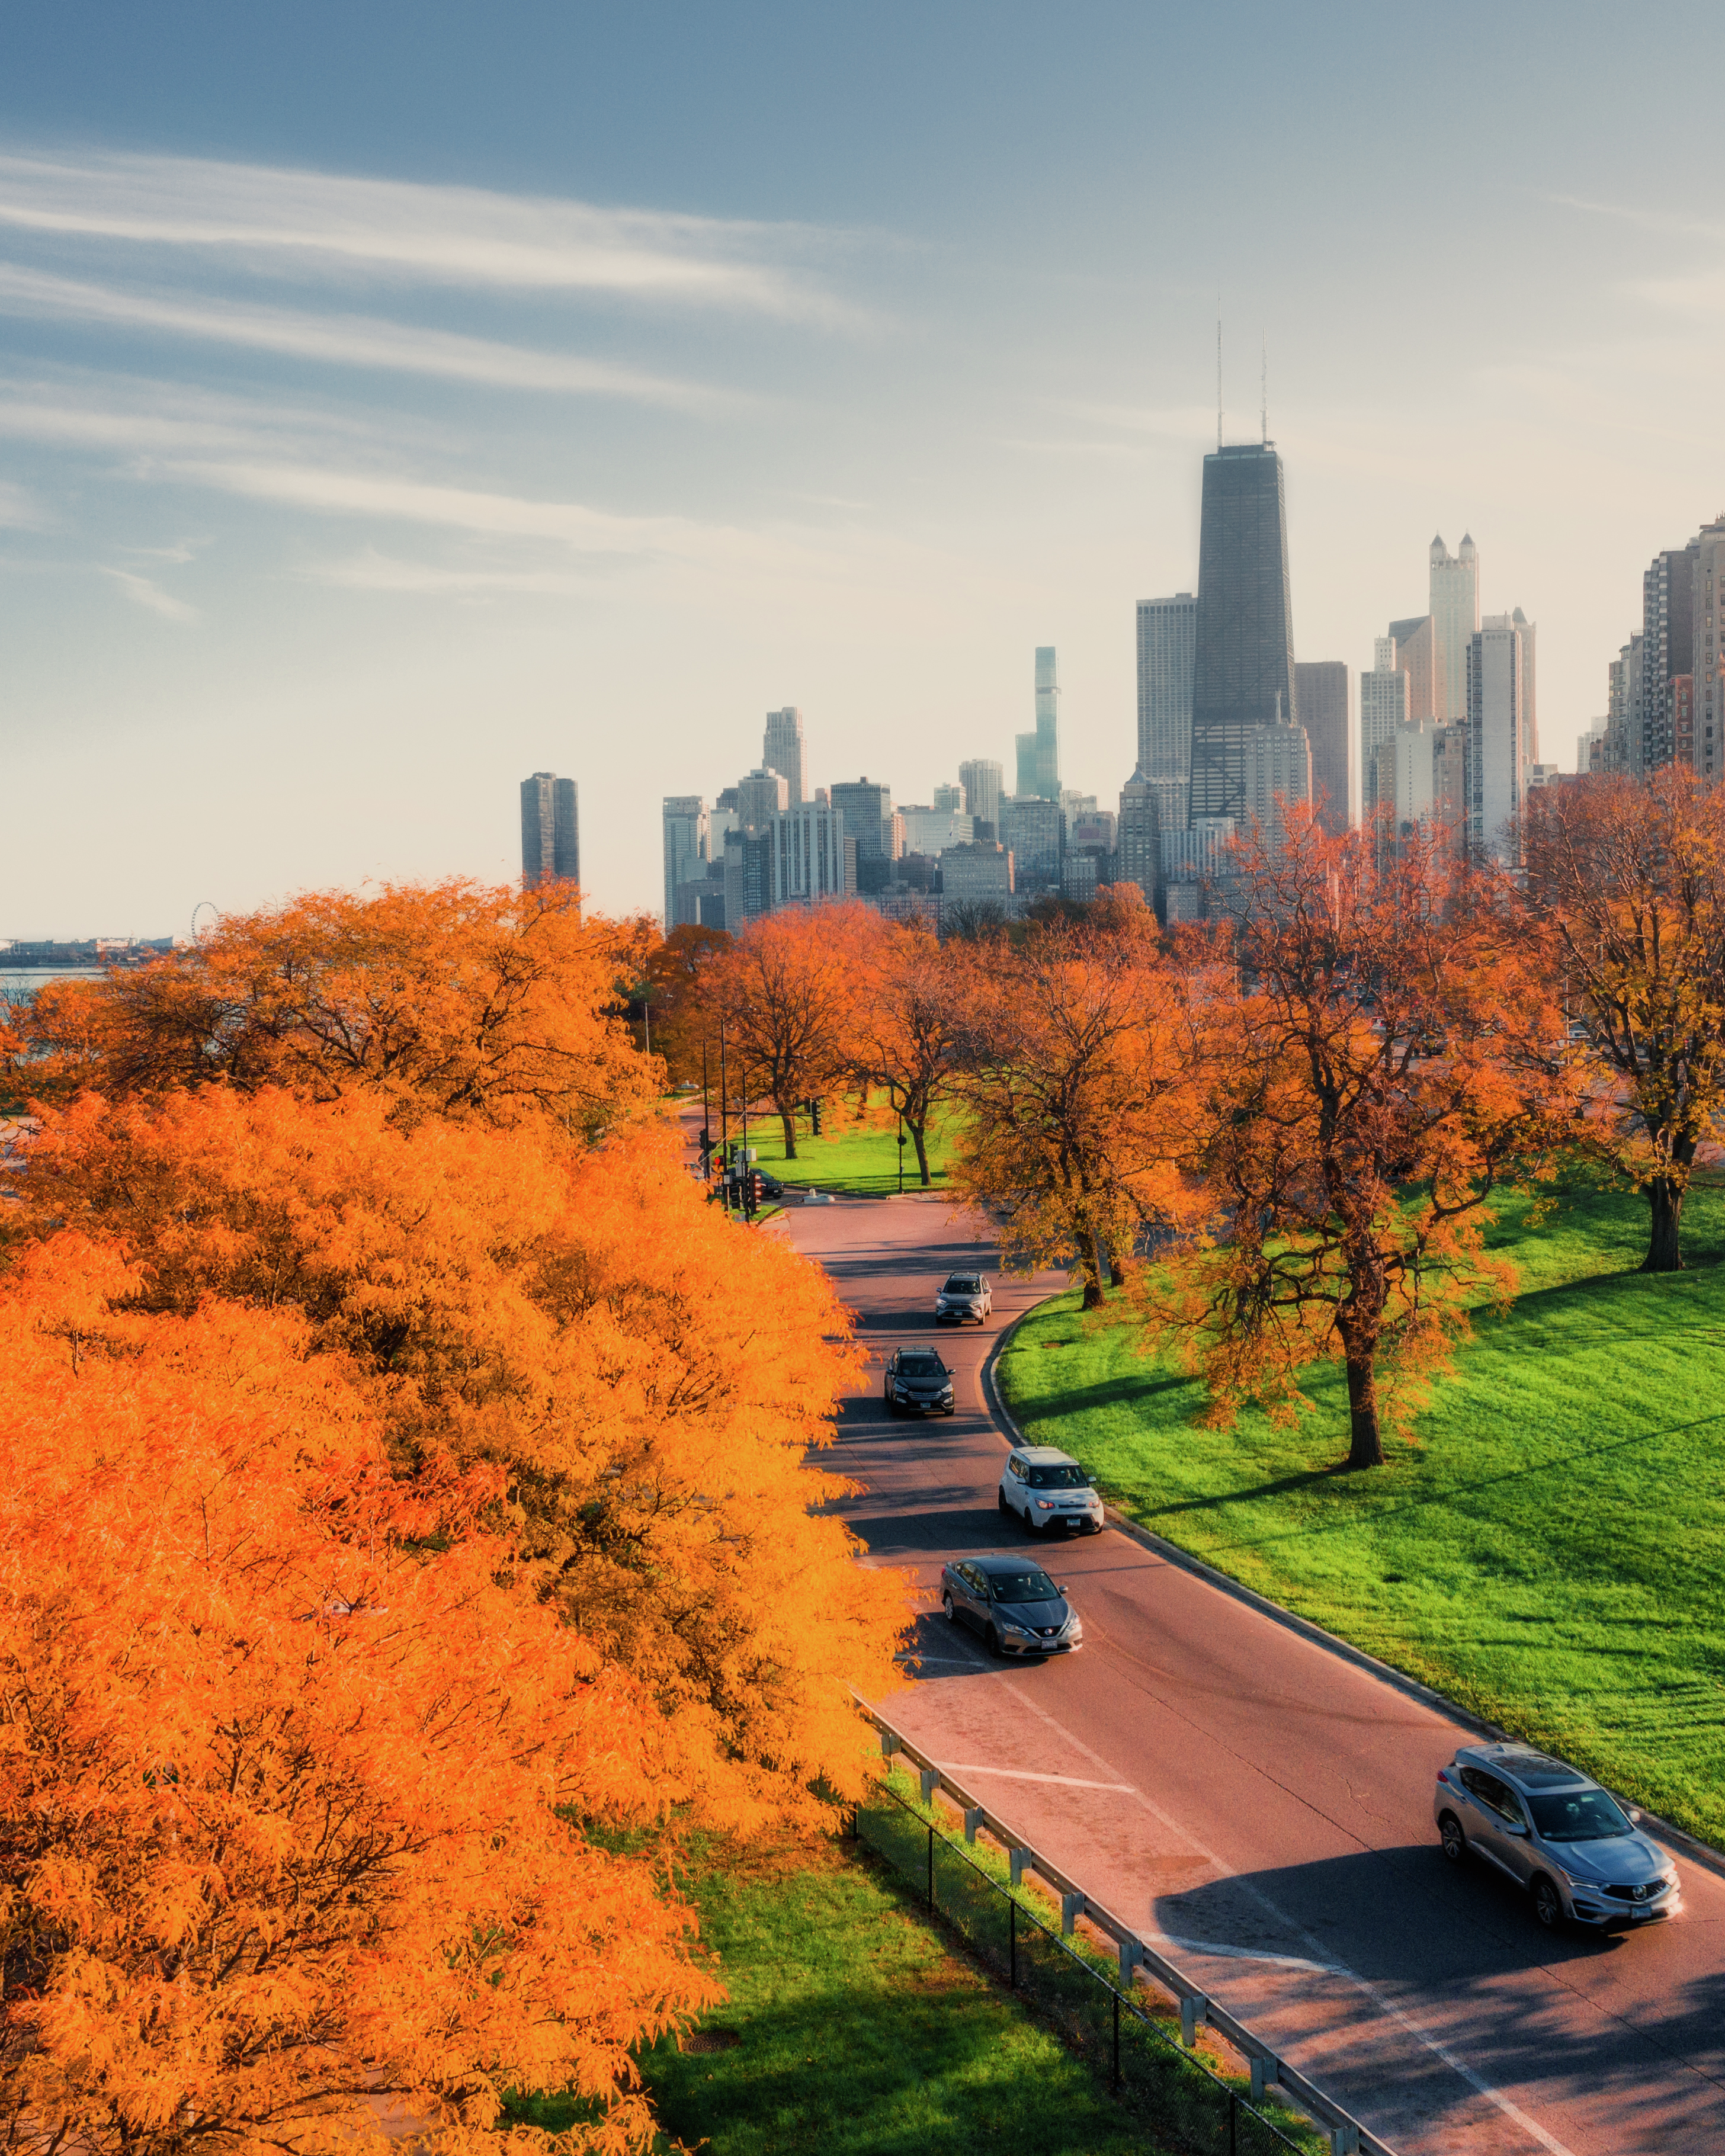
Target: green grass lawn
[[861, 2035], [1550, 1549], [862, 1161]]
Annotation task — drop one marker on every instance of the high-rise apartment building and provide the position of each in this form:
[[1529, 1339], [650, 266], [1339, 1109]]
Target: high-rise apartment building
[[1418, 656], [748, 876], [975, 879], [760, 797], [551, 829], [1243, 663], [1137, 853], [1039, 752], [1167, 658], [684, 821], [1708, 666], [866, 809], [1668, 653], [1034, 831], [812, 856], [1277, 774], [1322, 693], [949, 798], [1404, 779], [782, 750], [1498, 762], [1455, 620], [932, 831], [1530, 731], [1385, 699], [982, 781]]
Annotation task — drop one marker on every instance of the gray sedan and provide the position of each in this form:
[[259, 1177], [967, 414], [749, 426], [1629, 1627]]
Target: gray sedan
[[1580, 1855], [1015, 1606]]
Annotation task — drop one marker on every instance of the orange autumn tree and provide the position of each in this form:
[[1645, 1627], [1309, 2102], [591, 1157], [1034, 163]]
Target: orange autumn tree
[[905, 1029], [455, 998], [293, 1780], [648, 1381], [1388, 1056]]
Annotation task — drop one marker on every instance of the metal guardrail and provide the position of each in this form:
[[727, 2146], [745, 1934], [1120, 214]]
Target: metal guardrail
[[1268, 2069]]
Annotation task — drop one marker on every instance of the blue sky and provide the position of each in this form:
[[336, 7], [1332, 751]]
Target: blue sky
[[395, 401]]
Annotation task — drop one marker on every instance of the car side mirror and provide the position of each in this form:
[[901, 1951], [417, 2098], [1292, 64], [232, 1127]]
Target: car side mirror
[[1514, 1826]]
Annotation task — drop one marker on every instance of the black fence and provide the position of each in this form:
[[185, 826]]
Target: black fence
[[1184, 2104]]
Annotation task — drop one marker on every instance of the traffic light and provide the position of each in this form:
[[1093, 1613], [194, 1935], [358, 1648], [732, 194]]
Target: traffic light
[[753, 1192]]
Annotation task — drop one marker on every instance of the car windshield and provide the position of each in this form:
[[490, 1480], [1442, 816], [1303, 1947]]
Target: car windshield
[[962, 1284], [923, 1366], [1058, 1478], [1023, 1586], [1577, 1815]]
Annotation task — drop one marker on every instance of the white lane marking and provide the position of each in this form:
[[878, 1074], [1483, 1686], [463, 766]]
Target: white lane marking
[[1243, 1954], [1021, 1774], [1506, 2105]]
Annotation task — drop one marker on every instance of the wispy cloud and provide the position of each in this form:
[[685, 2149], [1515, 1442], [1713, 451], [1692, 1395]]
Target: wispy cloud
[[144, 593], [284, 219], [373, 572], [341, 340], [19, 511]]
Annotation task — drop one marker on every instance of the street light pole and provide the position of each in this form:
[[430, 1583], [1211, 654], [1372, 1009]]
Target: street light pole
[[902, 1152], [724, 1120]]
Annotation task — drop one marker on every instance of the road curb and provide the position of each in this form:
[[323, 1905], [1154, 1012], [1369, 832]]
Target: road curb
[[1686, 1845]]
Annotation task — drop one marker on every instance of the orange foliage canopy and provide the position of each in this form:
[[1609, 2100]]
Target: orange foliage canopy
[[289, 1774], [454, 999]]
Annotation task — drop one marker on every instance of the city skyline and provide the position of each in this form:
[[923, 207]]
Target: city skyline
[[372, 436]]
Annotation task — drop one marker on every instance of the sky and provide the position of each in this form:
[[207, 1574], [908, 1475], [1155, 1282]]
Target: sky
[[395, 401]]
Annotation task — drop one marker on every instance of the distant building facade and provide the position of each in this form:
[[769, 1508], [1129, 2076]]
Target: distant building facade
[[1323, 696], [813, 857], [782, 750], [1039, 752], [684, 824], [1137, 846], [551, 829], [1277, 775], [1455, 620], [932, 830], [975, 879], [1498, 748], [984, 782], [760, 797], [1385, 702], [1167, 660], [1034, 831], [1418, 656]]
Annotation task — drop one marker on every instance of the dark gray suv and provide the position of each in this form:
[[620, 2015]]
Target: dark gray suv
[[917, 1382], [1575, 1848]]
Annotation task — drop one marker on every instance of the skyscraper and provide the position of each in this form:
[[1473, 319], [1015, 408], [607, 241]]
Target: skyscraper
[[686, 847], [1323, 692], [1497, 759], [1668, 639], [760, 796], [1708, 668], [1033, 832], [1385, 702], [812, 858], [1455, 620], [1417, 654], [982, 778], [1243, 665], [864, 807], [1168, 654], [782, 750], [1038, 752], [551, 829], [1277, 773], [1138, 840]]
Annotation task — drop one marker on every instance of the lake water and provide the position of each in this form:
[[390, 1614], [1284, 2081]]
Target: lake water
[[19, 983]]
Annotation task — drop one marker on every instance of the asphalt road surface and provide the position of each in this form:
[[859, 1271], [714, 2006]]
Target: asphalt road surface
[[1254, 1803]]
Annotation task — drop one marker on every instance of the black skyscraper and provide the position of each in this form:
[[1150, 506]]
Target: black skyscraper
[[1245, 674], [551, 829]]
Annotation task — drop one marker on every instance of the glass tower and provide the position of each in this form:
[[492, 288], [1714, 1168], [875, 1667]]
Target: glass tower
[[1039, 753], [1243, 667]]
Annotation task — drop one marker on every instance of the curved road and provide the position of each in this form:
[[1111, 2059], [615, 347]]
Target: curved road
[[1255, 1803]]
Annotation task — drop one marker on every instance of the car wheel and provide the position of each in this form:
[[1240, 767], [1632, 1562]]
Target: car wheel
[[1548, 1905], [991, 1640], [1455, 1840], [947, 1605], [1000, 1500]]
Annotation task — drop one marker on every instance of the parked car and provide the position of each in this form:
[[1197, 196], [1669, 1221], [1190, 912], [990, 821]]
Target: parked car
[[1047, 1488], [965, 1294], [1015, 1606], [917, 1382], [1569, 1843]]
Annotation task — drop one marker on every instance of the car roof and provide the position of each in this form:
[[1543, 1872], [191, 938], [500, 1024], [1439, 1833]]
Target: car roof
[[999, 1561], [1044, 1456], [1526, 1768]]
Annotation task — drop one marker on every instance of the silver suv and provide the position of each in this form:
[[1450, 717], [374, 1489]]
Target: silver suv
[[1579, 1854]]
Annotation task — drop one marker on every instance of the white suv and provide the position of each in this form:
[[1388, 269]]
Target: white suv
[[1047, 1488]]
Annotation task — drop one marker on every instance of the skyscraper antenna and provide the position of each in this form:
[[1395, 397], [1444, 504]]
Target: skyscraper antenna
[[1219, 370], [1266, 389]]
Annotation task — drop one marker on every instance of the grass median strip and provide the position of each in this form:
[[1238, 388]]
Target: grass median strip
[[857, 2031], [861, 1160], [1547, 1552]]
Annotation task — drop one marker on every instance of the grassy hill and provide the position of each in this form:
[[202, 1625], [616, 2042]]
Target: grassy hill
[[1551, 1549]]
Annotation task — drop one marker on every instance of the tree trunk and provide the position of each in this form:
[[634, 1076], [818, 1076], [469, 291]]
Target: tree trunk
[[1116, 1266], [787, 1118], [919, 1139], [1093, 1296], [1365, 1447], [1665, 1201]]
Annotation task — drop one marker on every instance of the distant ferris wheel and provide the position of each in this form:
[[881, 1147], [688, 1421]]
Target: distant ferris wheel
[[204, 917]]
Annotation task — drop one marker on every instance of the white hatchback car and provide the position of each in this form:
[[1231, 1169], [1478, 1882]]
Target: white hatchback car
[[1047, 1488]]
